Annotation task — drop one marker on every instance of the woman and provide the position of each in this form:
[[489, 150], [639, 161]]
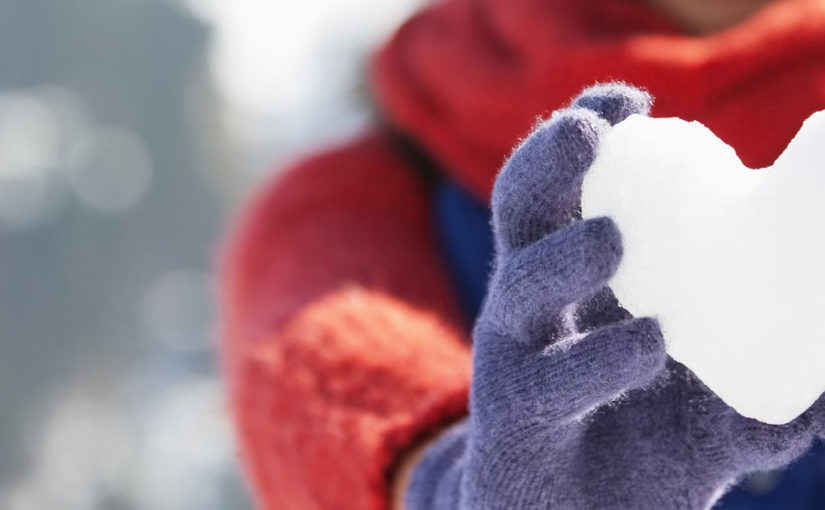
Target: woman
[[351, 283]]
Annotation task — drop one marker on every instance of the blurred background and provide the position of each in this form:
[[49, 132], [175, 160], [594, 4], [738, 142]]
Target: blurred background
[[130, 130]]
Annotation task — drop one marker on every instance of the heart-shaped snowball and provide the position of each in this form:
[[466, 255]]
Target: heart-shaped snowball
[[730, 260]]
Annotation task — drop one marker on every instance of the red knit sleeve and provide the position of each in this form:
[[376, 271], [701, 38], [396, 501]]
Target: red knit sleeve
[[340, 335]]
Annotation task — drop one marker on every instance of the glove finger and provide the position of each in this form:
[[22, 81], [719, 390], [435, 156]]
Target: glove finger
[[614, 102], [594, 370], [818, 416], [598, 311], [759, 446], [530, 289], [539, 188]]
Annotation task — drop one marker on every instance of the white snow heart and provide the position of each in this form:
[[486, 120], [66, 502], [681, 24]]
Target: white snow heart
[[730, 260]]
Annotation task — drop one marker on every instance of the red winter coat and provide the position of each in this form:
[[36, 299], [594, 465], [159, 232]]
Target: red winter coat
[[342, 341]]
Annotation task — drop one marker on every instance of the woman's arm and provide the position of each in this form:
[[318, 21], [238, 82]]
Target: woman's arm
[[341, 337]]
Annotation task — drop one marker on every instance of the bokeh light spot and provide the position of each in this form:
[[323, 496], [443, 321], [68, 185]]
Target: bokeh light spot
[[111, 169], [179, 310]]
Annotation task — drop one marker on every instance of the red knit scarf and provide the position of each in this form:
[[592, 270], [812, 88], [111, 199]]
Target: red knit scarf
[[468, 78]]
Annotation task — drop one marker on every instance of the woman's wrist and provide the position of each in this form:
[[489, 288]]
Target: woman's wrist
[[401, 480]]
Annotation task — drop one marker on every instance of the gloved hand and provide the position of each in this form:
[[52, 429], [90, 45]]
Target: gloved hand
[[574, 404]]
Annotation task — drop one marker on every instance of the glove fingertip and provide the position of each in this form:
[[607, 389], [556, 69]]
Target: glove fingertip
[[764, 447], [614, 102], [603, 246]]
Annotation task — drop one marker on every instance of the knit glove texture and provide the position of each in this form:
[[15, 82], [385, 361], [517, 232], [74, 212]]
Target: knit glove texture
[[574, 404]]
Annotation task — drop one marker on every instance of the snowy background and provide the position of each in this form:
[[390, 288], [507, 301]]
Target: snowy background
[[129, 131]]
